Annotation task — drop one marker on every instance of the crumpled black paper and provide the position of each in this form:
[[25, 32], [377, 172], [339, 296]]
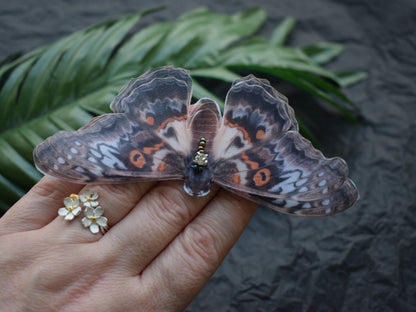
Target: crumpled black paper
[[363, 259]]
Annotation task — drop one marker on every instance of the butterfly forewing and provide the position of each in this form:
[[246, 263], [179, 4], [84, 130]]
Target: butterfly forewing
[[157, 94], [254, 112]]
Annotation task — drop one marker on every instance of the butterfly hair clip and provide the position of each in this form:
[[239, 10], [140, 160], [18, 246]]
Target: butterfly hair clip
[[254, 149]]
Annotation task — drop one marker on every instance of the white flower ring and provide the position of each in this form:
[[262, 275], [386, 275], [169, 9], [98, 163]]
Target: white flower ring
[[93, 213], [94, 219], [71, 209]]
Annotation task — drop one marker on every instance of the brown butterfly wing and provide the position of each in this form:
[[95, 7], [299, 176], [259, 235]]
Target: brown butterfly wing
[[263, 157], [145, 139]]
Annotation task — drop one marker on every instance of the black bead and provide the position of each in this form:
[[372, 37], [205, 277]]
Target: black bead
[[197, 168]]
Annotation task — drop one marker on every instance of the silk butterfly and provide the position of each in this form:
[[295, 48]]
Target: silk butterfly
[[254, 149]]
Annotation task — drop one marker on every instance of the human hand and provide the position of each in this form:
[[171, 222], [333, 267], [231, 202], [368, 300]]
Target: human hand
[[162, 246]]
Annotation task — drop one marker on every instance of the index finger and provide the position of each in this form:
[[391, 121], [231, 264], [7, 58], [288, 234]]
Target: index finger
[[184, 267]]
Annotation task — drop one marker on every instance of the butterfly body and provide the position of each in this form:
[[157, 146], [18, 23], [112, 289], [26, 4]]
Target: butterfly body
[[254, 149], [198, 179]]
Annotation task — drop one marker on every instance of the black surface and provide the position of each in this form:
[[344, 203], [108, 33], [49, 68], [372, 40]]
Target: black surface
[[361, 260]]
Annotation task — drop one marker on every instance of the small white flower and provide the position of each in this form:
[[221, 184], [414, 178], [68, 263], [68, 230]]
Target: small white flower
[[94, 219], [89, 199], [71, 209]]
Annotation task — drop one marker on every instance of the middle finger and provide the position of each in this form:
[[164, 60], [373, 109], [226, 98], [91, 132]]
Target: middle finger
[[155, 221]]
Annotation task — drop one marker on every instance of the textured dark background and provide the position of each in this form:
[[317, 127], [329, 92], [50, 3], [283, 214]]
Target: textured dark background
[[361, 260]]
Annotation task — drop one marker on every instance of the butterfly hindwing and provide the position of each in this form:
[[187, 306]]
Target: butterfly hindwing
[[132, 144], [344, 197], [287, 168]]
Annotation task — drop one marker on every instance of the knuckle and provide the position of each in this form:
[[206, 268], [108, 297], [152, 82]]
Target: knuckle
[[201, 246], [171, 206], [119, 192], [45, 189], [47, 274], [50, 271]]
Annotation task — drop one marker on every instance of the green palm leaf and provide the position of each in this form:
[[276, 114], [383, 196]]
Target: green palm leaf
[[63, 85]]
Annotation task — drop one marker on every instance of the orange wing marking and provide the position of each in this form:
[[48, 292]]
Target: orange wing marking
[[149, 150], [261, 177], [161, 167], [137, 158], [236, 178], [232, 125], [163, 124], [150, 120], [260, 134], [252, 164]]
